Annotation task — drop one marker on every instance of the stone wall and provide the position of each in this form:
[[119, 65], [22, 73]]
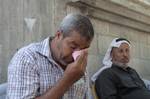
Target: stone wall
[[116, 18], [13, 28], [111, 18]]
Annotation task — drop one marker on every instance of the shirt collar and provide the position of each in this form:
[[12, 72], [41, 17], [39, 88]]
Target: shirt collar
[[45, 50]]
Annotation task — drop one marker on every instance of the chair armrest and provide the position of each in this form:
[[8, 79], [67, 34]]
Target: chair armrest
[[93, 91], [3, 89], [147, 83]]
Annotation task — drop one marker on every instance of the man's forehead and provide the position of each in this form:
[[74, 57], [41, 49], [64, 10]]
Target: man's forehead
[[78, 40], [82, 44], [122, 46]]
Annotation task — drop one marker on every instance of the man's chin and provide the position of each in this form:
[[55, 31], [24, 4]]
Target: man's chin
[[65, 63], [123, 65]]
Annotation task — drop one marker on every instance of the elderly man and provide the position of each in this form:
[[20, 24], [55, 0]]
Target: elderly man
[[46, 70], [116, 80]]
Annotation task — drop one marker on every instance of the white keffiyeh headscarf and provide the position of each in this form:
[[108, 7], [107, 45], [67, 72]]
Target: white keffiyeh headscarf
[[107, 63]]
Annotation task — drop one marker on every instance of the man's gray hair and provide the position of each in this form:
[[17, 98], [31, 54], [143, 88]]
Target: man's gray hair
[[78, 23]]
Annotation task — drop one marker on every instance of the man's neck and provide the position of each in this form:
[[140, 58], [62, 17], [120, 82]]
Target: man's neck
[[54, 51]]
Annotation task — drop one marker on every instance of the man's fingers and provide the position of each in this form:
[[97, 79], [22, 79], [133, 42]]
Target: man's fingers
[[82, 60]]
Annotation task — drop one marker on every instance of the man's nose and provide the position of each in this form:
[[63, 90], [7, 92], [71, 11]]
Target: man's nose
[[125, 54]]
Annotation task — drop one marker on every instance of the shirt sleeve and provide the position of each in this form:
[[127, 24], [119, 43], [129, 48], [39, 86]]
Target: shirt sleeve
[[23, 78], [105, 86]]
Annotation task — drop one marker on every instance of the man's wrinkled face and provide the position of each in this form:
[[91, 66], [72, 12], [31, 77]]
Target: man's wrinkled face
[[67, 45], [121, 55]]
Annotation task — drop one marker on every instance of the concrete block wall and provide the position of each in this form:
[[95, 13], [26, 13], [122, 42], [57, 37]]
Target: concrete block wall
[[110, 18], [13, 29]]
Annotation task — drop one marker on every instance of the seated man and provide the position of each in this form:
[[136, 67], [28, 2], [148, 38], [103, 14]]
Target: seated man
[[118, 80], [46, 70]]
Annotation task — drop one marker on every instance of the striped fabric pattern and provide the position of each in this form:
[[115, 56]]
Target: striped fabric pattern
[[32, 71]]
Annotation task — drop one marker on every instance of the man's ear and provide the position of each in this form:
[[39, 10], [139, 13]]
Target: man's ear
[[58, 34]]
